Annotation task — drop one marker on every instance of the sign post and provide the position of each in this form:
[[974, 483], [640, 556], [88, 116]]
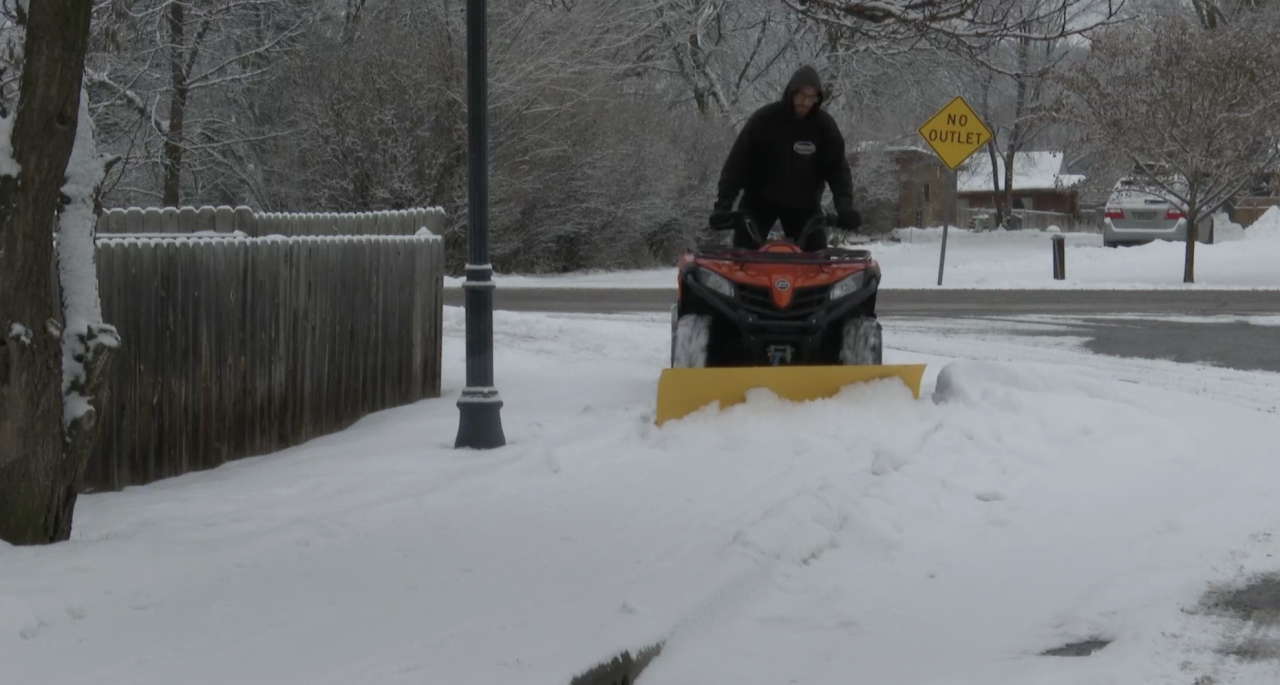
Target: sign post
[[947, 219], [954, 133], [480, 406]]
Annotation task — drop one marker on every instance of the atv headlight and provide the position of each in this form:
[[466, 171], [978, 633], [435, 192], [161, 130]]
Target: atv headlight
[[847, 286], [716, 282]]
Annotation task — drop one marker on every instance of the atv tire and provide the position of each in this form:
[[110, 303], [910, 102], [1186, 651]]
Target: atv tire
[[675, 318], [689, 341], [861, 343]]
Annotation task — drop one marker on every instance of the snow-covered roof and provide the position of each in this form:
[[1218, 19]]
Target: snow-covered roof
[[1032, 170], [895, 145]]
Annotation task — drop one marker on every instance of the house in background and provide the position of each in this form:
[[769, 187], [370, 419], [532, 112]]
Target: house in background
[[1041, 182], [924, 186]]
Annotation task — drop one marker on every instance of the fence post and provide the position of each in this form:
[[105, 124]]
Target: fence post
[[1059, 257], [246, 220]]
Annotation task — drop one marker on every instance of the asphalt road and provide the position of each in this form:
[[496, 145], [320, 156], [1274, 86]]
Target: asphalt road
[[921, 302], [1235, 345]]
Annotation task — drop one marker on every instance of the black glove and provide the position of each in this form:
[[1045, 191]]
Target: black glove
[[848, 219], [723, 220]]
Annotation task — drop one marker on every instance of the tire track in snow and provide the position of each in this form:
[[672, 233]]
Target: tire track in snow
[[1233, 634]]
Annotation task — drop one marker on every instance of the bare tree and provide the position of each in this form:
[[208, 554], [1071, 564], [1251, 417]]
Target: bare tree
[[53, 358], [969, 27], [1193, 112], [593, 104], [1014, 101], [1019, 41], [1211, 13], [170, 77], [593, 166], [723, 56]]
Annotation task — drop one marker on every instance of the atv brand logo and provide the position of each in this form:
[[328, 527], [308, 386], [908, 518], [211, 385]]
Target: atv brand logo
[[804, 147], [782, 284]]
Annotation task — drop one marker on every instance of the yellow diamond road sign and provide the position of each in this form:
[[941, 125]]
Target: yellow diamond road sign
[[955, 132]]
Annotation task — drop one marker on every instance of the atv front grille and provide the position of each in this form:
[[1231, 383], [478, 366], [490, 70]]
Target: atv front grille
[[804, 301], [811, 298]]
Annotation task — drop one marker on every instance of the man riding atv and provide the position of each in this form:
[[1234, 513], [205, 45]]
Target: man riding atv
[[782, 158]]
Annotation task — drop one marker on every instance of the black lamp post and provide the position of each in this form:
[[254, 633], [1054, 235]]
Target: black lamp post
[[480, 406]]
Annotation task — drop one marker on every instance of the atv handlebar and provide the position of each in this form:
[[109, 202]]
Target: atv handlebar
[[824, 220], [817, 222]]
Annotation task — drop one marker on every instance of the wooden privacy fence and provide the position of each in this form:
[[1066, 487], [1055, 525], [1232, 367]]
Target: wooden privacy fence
[[1249, 209], [243, 220], [235, 346]]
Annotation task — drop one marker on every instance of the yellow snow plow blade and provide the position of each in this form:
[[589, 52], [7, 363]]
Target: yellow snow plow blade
[[684, 391]]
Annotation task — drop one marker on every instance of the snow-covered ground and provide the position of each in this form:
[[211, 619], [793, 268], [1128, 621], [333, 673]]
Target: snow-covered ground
[[1239, 259], [1036, 495]]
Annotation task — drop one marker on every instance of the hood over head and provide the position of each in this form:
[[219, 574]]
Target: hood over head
[[804, 76]]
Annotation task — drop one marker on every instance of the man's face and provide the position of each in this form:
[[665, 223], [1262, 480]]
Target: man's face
[[804, 100]]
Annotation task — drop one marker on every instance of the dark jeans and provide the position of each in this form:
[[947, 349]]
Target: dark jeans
[[793, 222]]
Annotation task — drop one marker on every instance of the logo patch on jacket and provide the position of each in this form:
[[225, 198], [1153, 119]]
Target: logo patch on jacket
[[804, 147]]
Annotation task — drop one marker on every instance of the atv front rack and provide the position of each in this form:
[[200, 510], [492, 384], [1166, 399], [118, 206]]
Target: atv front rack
[[837, 255]]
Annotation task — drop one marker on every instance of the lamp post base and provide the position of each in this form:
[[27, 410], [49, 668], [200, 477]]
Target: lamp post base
[[480, 419]]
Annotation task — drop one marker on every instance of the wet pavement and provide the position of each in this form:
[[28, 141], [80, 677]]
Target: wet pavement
[[1112, 322], [1228, 343]]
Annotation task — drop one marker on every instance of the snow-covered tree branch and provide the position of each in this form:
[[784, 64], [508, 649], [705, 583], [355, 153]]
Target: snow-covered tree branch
[[184, 68], [362, 106], [964, 24], [1013, 91]]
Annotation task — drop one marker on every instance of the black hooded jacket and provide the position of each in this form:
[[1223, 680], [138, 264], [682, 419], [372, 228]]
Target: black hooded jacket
[[780, 160]]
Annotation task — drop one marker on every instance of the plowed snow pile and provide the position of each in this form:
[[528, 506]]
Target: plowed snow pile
[[870, 538]]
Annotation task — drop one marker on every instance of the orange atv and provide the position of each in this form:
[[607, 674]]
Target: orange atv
[[801, 324], [776, 305]]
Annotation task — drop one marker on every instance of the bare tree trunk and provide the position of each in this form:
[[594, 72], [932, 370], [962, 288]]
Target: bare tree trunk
[[997, 202], [351, 19], [1193, 234], [1208, 13], [991, 150], [36, 487], [1019, 125], [177, 104], [1006, 198]]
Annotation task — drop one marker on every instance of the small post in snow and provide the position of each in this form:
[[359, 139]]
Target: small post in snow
[[954, 133], [480, 406], [1059, 257]]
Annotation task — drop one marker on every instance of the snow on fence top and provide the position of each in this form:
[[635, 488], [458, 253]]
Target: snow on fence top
[[156, 239], [229, 221]]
